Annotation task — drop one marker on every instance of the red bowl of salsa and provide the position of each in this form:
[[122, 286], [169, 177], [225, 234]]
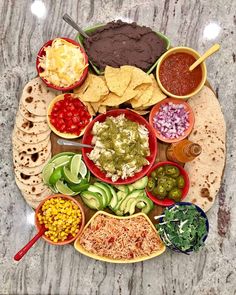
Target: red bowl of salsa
[[174, 77]]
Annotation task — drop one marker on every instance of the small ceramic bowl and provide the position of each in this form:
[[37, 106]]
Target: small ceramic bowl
[[155, 110], [49, 110], [90, 30], [168, 202], [203, 214], [81, 225], [49, 84], [181, 50]]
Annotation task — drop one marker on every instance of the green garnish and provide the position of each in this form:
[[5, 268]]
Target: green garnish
[[184, 227]]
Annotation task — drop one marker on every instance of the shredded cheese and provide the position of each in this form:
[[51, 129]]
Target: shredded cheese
[[63, 63]]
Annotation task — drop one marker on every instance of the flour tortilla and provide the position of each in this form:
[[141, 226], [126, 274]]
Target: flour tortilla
[[31, 189], [36, 97], [28, 179], [29, 148], [205, 172], [34, 200], [30, 138], [33, 160], [29, 116], [31, 170], [30, 127]]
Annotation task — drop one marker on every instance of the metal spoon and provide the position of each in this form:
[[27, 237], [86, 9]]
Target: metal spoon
[[72, 23], [73, 143]]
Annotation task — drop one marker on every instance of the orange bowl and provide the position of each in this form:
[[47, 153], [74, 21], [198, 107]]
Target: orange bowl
[[81, 225], [155, 110]]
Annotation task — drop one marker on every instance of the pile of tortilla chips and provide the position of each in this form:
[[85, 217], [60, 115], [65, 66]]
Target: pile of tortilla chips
[[126, 84]]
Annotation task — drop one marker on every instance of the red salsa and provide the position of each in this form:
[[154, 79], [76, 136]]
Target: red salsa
[[175, 76], [69, 115]]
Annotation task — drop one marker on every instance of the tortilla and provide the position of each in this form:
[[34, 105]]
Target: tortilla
[[28, 179], [36, 97], [32, 160], [31, 170], [209, 131], [34, 200], [29, 116], [118, 79], [29, 126], [31, 189], [30, 138], [29, 148]]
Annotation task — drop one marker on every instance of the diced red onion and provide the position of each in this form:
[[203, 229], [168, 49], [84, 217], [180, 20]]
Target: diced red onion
[[172, 120]]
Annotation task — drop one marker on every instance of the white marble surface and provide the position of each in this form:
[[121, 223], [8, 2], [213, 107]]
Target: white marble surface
[[60, 270]]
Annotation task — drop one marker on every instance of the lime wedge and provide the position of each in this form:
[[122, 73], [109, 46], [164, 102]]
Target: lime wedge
[[61, 154], [53, 189], [82, 186], [75, 164], [70, 177], [88, 175], [55, 176], [82, 169], [61, 161], [63, 188], [47, 172]]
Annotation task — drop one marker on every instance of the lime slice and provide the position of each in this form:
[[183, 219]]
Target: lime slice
[[47, 172], [82, 169], [53, 189], [88, 175], [75, 164], [55, 176], [63, 188], [70, 177], [61, 161], [61, 154]]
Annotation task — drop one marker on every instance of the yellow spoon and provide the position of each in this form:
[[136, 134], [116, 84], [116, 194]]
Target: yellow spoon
[[209, 52]]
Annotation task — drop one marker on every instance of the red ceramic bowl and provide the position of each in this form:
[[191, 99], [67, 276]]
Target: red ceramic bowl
[[87, 139], [81, 225], [187, 107], [40, 70], [168, 202]]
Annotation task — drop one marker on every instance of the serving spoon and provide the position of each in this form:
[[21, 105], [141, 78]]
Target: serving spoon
[[208, 53], [61, 141], [26, 248], [74, 25]]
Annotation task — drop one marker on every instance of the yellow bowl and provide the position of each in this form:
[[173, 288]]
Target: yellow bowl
[[183, 50], [49, 110], [83, 251]]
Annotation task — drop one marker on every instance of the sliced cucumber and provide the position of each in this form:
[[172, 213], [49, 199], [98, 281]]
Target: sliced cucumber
[[132, 195], [92, 200], [101, 193], [107, 191], [141, 183]]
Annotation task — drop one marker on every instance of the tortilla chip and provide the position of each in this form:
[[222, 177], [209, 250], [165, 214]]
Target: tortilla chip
[[138, 77], [95, 106], [140, 112], [115, 100], [144, 95], [90, 109], [102, 109], [157, 94], [84, 86], [118, 79]]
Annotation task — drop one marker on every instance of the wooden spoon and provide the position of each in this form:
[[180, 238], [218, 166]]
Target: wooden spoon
[[26, 248], [209, 52]]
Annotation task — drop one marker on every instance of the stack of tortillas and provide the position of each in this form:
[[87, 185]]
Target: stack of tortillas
[[31, 141], [205, 172]]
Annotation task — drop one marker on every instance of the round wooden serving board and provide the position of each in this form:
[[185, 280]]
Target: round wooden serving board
[[161, 156]]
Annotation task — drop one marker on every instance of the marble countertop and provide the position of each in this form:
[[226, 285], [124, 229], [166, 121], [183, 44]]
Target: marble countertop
[[25, 26]]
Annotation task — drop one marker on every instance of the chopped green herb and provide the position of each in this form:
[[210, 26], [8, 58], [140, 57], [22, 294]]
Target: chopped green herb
[[184, 227]]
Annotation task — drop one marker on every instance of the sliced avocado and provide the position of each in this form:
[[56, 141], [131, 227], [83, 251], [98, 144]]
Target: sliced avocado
[[123, 188], [118, 212], [141, 183], [149, 204], [114, 199], [101, 193], [131, 188], [132, 195], [141, 205], [121, 197], [92, 200], [108, 192], [128, 205], [106, 189]]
